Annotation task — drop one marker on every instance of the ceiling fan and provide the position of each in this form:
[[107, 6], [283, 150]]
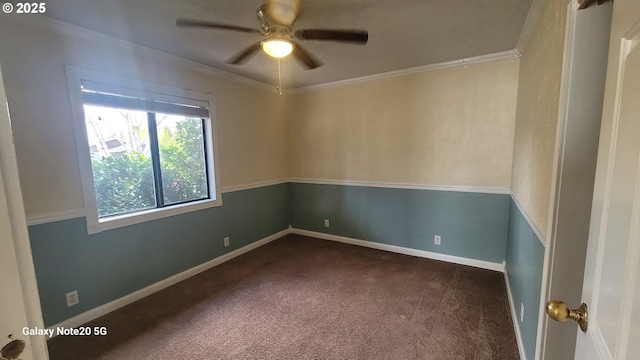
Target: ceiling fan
[[276, 21]]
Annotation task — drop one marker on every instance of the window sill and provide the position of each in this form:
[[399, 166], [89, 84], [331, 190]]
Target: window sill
[[95, 225]]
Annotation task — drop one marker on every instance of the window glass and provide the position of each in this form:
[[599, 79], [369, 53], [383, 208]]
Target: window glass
[[182, 158], [120, 160]]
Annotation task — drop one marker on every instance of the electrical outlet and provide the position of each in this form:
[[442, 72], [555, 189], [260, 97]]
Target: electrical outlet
[[226, 241], [436, 239], [72, 298], [326, 223], [521, 312]]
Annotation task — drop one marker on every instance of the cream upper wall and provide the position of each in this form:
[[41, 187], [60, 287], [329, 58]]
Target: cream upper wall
[[537, 111], [34, 52], [451, 126]]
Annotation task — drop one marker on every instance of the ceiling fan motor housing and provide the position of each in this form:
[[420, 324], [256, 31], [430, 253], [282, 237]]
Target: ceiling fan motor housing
[[276, 18]]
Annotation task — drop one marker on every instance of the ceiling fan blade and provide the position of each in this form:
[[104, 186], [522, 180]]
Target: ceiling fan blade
[[305, 57], [351, 36], [244, 55], [182, 22]]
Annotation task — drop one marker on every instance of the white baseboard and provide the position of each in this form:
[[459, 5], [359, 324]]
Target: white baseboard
[[101, 310], [160, 285], [514, 318], [403, 250]]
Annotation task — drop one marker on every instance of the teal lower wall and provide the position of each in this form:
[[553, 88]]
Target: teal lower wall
[[109, 265], [472, 225], [524, 266]]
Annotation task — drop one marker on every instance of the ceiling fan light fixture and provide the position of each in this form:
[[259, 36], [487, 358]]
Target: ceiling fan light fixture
[[277, 48]]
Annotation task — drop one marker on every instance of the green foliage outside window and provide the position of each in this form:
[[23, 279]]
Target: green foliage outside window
[[182, 162], [124, 182]]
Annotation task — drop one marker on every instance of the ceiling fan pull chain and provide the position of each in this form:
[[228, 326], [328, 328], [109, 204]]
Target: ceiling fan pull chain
[[279, 87]]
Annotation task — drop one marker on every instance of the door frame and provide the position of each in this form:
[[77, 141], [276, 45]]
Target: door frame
[[547, 267], [19, 230], [564, 112]]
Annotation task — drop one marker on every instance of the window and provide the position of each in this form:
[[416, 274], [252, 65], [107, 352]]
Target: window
[[146, 151]]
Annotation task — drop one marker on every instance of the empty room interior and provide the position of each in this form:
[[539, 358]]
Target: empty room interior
[[417, 156]]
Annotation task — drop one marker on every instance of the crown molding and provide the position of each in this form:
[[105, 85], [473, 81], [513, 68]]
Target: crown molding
[[529, 24], [64, 28], [72, 30], [510, 54]]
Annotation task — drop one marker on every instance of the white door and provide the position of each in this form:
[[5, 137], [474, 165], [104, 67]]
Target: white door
[[12, 309], [611, 287], [19, 303]]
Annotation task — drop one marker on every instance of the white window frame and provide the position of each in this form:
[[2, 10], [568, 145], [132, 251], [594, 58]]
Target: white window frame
[[95, 224]]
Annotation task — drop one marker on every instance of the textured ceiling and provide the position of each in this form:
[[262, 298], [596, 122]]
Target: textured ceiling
[[402, 33]]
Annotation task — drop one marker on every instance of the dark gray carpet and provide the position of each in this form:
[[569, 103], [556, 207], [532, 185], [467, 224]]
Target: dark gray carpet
[[304, 298]]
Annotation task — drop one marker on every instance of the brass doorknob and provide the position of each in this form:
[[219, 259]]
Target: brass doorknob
[[559, 311]]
